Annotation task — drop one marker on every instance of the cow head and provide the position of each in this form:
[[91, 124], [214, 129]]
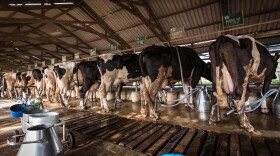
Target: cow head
[[59, 72]]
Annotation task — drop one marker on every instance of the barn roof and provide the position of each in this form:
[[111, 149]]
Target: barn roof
[[32, 31]]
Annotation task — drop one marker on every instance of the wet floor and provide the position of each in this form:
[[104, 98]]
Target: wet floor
[[266, 125]]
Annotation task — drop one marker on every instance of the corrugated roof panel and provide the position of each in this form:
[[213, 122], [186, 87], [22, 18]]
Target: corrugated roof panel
[[52, 12], [69, 40], [85, 36], [96, 27], [5, 13], [21, 15], [101, 7], [80, 15], [126, 20], [100, 45], [52, 29], [130, 34]]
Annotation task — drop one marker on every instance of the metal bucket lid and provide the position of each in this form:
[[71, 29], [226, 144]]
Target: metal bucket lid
[[40, 127]]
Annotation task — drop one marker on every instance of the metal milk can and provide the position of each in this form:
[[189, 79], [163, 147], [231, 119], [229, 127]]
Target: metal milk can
[[202, 102], [40, 140], [276, 105]]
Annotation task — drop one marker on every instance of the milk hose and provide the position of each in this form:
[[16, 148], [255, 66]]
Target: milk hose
[[258, 102]]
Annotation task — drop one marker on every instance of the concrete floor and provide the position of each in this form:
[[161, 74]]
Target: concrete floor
[[266, 125]]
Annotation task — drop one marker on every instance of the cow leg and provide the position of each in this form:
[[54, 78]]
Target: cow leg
[[265, 88], [247, 101], [105, 86], [239, 104], [218, 93], [146, 97], [118, 95], [143, 102]]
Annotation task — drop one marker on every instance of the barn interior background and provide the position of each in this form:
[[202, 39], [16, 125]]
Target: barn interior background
[[37, 33]]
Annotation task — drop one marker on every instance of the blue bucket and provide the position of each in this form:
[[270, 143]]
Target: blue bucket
[[17, 110]]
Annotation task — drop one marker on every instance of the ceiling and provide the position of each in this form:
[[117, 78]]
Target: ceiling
[[32, 31]]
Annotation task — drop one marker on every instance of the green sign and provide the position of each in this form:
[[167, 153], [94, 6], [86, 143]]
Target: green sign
[[141, 39], [233, 19], [29, 67], [177, 32], [114, 46], [43, 63], [92, 52]]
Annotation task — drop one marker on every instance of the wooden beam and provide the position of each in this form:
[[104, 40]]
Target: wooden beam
[[151, 13], [135, 11], [7, 20], [91, 13]]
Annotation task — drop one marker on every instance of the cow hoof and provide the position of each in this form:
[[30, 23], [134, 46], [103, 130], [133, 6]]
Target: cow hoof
[[154, 115], [265, 110], [250, 129], [105, 110], [83, 109], [144, 115]]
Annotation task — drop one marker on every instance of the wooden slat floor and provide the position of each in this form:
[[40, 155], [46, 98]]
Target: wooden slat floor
[[155, 138]]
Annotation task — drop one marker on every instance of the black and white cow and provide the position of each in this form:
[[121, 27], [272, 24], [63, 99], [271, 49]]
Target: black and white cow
[[117, 70], [235, 63], [50, 83], [91, 78], [34, 78], [66, 80], [160, 66]]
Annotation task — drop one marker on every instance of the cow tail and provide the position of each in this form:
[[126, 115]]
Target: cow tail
[[217, 50], [141, 63], [76, 68]]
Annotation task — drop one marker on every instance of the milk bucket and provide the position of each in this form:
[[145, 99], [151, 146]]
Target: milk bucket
[[110, 96], [135, 96], [276, 105], [202, 102], [171, 96], [40, 140]]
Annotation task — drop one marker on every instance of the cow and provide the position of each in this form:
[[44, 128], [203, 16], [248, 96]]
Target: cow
[[50, 83], [20, 83], [117, 70], [34, 78], [10, 79], [160, 66], [91, 78], [65, 79], [236, 62]]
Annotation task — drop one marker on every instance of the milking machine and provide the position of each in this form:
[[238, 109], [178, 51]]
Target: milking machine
[[258, 103]]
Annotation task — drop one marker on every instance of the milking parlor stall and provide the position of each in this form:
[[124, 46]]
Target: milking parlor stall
[[139, 77]]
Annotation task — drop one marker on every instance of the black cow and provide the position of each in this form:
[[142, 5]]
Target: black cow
[[160, 66], [117, 70], [237, 62], [91, 77]]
